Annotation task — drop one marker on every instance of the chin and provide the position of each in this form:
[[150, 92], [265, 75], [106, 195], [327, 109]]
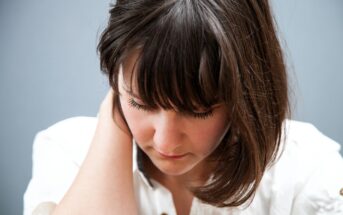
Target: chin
[[173, 172]]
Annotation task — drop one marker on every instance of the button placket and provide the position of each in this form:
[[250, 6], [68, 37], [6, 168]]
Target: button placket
[[163, 199]]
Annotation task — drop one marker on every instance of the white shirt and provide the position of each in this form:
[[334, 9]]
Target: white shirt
[[307, 179]]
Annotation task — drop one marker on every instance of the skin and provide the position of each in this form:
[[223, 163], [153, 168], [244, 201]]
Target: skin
[[172, 133], [106, 172]]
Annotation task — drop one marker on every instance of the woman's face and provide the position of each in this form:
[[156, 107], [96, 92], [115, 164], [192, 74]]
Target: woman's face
[[175, 142]]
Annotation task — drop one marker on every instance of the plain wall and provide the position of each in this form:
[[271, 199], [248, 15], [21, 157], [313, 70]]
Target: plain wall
[[49, 71]]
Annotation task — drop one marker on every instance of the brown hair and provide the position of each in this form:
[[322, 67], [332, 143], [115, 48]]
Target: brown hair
[[201, 52]]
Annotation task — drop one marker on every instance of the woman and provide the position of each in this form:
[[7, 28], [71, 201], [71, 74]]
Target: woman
[[200, 87]]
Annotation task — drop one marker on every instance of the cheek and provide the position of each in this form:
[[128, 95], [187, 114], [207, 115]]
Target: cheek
[[138, 122], [208, 135]]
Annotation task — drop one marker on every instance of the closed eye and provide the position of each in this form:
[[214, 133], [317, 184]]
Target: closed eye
[[138, 106], [202, 115], [198, 115]]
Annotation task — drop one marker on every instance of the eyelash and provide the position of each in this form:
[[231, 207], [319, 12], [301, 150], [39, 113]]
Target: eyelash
[[134, 104], [204, 115]]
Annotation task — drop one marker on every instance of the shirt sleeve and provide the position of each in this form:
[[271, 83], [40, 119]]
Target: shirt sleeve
[[322, 193], [53, 171]]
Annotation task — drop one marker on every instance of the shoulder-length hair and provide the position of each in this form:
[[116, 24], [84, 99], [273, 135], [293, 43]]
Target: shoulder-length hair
[[201, 52]]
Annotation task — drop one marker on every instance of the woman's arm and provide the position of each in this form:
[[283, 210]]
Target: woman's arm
[[104, 184]]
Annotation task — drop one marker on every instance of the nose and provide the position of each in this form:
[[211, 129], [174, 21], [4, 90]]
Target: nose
[[169, 132]]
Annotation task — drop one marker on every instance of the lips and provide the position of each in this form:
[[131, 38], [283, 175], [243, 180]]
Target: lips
[[171, 156]]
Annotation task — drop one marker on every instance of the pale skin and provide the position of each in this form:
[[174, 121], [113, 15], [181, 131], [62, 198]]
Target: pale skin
[[104, 184], [170, 132]]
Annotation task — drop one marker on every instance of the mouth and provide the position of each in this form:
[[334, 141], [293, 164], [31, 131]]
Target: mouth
[[179, 156]]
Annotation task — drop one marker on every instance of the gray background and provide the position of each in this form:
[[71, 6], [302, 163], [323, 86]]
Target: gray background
[[49, 71]]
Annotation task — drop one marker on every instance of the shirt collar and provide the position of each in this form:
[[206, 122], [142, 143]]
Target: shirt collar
[[138, 159]]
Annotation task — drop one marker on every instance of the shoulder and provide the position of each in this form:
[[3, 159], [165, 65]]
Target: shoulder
[[308, 176], [319, 170], [306, 150], [72, 135], [71, 127], [303, 149], [307, 137], [58, 152]]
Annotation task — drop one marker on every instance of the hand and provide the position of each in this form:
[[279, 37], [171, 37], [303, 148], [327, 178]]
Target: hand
[[112, 117]]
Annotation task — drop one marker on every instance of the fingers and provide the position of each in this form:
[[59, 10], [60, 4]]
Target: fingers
[[108, 100], [110, 112]]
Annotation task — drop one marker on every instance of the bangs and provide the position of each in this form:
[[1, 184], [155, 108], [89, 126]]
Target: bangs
[[178, 64]]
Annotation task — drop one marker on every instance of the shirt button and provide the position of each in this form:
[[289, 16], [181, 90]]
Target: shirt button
[[341, 192]]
